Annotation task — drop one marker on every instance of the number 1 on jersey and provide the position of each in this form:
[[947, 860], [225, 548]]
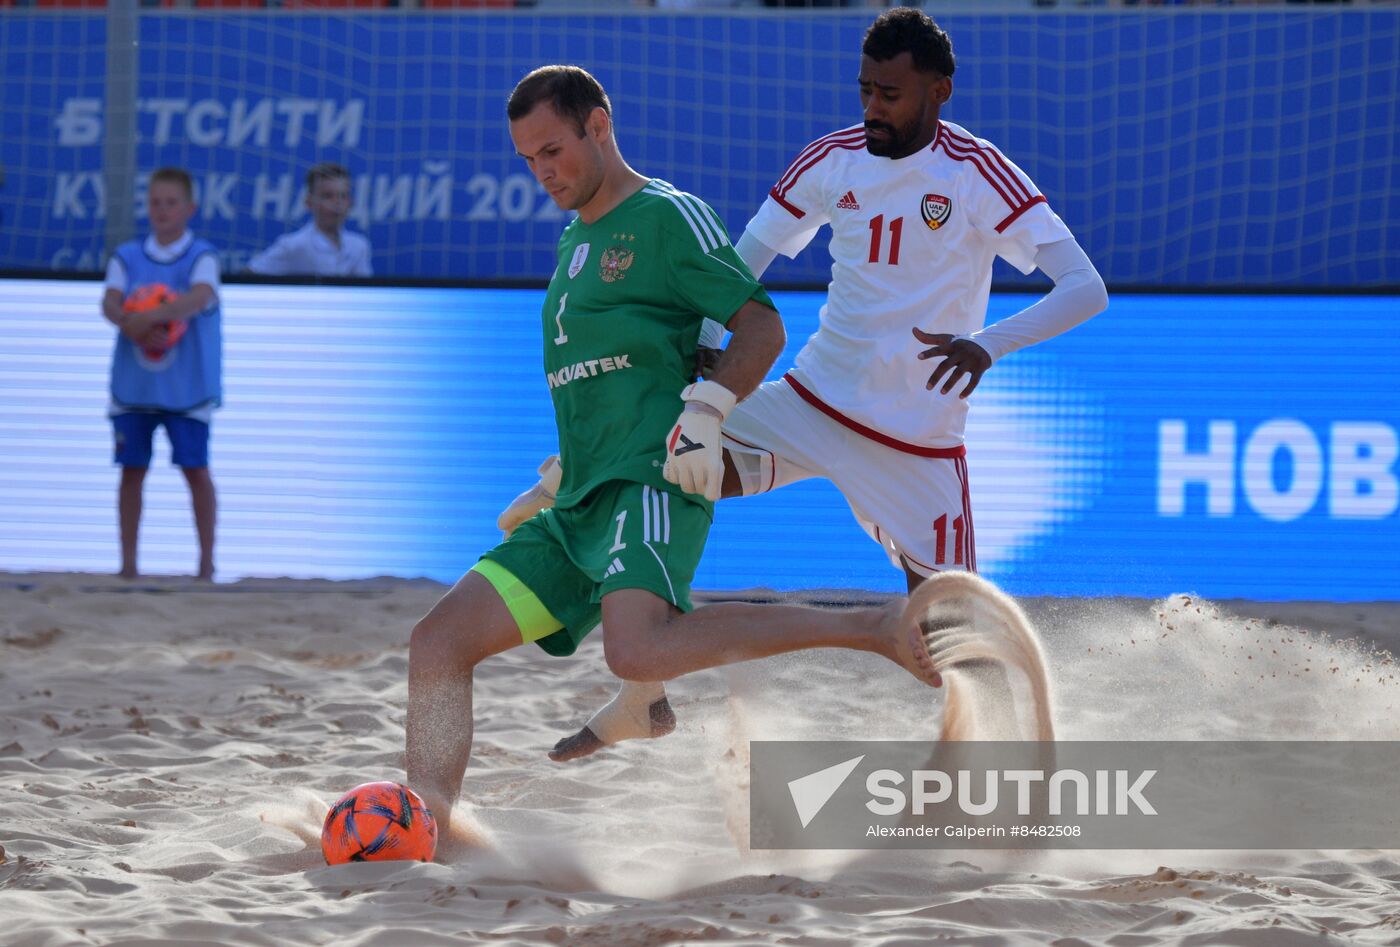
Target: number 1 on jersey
[[618, 544], [561, 338], [877, 227]]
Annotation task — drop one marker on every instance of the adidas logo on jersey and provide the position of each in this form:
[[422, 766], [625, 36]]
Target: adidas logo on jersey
[[848, 202]]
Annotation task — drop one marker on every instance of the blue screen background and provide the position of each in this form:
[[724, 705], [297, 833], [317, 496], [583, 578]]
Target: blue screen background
[[379, 431]]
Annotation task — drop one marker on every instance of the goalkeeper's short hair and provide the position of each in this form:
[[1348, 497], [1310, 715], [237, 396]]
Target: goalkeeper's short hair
[[570, 90]]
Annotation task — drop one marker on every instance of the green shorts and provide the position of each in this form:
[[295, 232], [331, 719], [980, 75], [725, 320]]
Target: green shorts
[[624, 535]]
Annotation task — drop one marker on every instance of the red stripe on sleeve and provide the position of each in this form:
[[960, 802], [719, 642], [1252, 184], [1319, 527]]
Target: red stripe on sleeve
[[979, 161], [794, 211], [1011, 217], [817, 159], [997, 164], [1022, 182], [816, 146], [812, 149]]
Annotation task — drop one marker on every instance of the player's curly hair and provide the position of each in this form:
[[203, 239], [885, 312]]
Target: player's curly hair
[[572, 91], [906, 30]]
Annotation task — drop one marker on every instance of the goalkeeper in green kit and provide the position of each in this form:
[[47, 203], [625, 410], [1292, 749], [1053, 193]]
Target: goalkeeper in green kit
[[637, 272]]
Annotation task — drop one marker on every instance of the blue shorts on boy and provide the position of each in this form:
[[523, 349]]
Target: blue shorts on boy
[[135, 435]]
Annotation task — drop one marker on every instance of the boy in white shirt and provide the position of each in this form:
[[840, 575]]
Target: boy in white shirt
[[323, 247]]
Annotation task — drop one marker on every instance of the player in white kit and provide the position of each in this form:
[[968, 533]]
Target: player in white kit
[[877, 399]]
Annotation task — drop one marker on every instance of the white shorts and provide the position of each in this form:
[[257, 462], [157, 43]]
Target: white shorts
[[917, 508]]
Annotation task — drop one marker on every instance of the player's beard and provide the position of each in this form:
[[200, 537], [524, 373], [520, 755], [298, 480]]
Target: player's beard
[[581, 190], [898, 143]]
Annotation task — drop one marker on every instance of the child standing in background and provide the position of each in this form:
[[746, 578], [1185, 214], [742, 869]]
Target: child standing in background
[[162, 293], [323, 247]]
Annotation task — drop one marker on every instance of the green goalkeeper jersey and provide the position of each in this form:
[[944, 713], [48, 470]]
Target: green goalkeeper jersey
[[621, 321]]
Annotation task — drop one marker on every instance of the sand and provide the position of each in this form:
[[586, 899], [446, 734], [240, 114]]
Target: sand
[[167, 750]]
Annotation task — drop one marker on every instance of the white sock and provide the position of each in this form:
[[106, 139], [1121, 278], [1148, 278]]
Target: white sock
[[628, 715]]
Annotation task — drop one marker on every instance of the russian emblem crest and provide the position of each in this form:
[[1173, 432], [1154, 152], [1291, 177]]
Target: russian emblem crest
[[613, 266], [936, 209]]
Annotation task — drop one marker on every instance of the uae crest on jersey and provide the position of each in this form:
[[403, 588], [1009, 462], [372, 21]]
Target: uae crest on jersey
[[576, 264], [613, 266], [936, 209]]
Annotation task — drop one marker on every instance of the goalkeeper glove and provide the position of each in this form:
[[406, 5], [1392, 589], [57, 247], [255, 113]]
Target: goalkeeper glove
[[539, 497], [694, 454]]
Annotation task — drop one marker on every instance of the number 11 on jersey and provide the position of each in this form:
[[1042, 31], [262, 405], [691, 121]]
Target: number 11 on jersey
[[877, 226], [940, 529]]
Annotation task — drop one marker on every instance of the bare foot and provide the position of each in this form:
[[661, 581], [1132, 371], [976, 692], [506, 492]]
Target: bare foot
[[957, 621], [583, 743], [586, 742], [128, 573], [901, 633]]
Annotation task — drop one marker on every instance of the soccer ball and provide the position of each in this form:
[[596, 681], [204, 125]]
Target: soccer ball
[[381, 821], [144, 299]]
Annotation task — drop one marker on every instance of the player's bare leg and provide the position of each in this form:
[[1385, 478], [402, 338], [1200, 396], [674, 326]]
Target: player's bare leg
[[640, 709], [952, 621], [205, 505], [129, 516], [467, 625], [646, 639]]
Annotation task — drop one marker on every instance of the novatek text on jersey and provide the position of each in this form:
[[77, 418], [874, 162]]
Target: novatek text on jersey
[[587, 369]]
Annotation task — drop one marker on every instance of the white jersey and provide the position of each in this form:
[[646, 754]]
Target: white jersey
[[308, 252], [912, 244]]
